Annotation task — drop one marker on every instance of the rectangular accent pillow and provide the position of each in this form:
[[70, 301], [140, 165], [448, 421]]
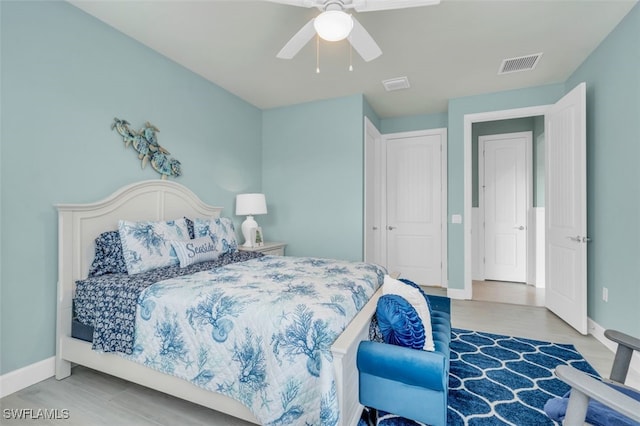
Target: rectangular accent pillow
[[147, 245], [418, 300], [195, 251], [221, 231]]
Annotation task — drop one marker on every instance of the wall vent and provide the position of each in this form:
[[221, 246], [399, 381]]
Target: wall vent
[[396, 84], [521, 63]]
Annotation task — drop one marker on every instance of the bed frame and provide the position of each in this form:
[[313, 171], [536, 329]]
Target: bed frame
[[80, 224]]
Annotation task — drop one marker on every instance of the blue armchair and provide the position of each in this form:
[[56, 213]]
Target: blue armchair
[[408, 382]]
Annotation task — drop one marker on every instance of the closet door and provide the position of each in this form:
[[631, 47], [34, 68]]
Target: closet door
[[505, 199], [414, 206]]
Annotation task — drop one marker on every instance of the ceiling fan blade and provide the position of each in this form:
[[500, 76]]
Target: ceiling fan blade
[[301, 3], [373, 5], [298, 41], [362, 41]]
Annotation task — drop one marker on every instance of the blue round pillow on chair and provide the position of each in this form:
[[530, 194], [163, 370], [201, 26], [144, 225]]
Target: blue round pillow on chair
[[399, 322]]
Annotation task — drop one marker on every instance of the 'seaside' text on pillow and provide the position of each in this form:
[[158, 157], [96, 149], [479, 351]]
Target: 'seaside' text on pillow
[[195, 251]]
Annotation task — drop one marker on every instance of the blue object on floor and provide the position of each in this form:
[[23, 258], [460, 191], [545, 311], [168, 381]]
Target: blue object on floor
[[598, 414], [598, 402]]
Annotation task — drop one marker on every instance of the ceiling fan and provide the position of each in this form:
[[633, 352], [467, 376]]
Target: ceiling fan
[[335, 24]]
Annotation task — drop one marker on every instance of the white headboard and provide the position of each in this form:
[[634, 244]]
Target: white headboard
[[80, 224]]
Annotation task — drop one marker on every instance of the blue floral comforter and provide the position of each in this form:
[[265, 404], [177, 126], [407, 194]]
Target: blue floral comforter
[[108, 302], [258, 331]]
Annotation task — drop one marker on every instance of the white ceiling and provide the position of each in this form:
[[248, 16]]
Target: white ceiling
[[447, 51]]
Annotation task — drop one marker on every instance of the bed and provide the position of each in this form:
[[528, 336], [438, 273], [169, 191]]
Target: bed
[[80, 224]]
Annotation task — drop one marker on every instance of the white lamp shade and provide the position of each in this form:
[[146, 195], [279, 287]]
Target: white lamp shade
[[251, 204], [333, 25]]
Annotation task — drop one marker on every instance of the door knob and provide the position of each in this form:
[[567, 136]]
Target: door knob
[[521, 228], [391, 228]]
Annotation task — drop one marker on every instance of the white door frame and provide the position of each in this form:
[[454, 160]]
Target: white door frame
[[443, 191], [374, 207], [529, 192], [469, 119]]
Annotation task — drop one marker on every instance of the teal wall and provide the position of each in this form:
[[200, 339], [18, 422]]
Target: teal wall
[[312, 176], [413, 122], [538, 161], [612, 74], [64, 77], [370, 114]]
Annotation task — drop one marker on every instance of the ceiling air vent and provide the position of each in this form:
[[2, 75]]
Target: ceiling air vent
[[521, 63], [396, 84]]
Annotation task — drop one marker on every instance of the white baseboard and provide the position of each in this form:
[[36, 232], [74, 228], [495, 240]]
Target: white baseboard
[[462, 294], [26, 376], [597, 331]]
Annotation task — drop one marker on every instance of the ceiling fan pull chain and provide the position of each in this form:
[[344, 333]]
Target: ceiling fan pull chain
[[317, 54], [350, 56]]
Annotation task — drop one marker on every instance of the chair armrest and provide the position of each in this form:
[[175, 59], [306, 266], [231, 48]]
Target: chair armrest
[[623, 339], [624, 352], [411, 366], [584, 387]]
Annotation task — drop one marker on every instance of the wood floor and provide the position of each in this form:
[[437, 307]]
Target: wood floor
[[508, 292], [94, 398]]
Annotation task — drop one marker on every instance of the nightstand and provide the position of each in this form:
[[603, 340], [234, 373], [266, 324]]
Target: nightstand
[[273, 249]]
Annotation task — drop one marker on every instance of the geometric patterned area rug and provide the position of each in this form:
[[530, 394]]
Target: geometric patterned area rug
[[498, 380]]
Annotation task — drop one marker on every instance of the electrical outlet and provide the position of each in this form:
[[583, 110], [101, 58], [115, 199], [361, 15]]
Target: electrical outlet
[[605, 294]]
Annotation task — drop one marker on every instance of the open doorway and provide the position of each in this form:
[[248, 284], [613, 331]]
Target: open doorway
[[493, 227], [565, 220]]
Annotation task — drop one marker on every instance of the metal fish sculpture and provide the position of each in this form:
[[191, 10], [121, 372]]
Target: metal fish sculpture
[[145, 143]]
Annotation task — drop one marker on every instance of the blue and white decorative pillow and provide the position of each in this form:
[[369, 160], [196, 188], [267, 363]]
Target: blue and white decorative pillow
[[417, 299], [399, 322], [195, 251], [190, 227], [147, 245], [221, 231], [108, 258]]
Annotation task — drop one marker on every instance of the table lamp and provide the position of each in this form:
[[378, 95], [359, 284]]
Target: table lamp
[[250, 205]]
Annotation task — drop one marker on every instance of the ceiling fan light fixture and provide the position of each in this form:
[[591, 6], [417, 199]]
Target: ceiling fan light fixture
[[333, 25]]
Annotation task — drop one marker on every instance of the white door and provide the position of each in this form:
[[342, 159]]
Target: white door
[[414, 207], [565, 209], [374, 201], [504, 194]]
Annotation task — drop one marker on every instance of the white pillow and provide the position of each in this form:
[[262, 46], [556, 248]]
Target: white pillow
[[195, 251], [147, 245], [416, 298]]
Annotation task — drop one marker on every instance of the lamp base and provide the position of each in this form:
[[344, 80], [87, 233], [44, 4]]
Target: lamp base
[[247, 227]]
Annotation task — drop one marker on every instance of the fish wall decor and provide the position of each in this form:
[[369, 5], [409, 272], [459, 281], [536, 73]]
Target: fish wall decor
[[145, 142]]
